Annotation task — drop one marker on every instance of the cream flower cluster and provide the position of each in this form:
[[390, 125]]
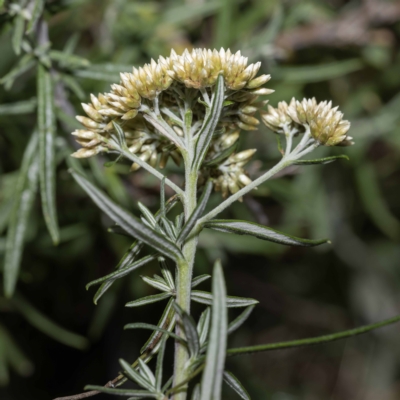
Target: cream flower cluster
[[325, 122]]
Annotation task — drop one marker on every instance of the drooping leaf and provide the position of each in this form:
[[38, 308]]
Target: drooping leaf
[[231, 301], [325, 160], [261, 232], [127, 221], [25, 191], [238, 322], [36, 14], [204, 136], [211, 383], [121, 272], [197, 212], [46, 125], [148, 300], [235, 384]]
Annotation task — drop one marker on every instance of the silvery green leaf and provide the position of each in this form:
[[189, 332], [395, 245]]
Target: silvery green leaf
[[325, 160], [219, 158], [211, 383], [199, 279], [127, 221], [159, 365], [18, 33], [190, 329], [23, 198], [72, 84], [47, 169], [148, 300], [166, 131], [196, 392], [156, 329], [121, 272], [68, 60], [120, 135], [167, 274], [24, 64], [205, 135], [231, 301], [235, 384], [147, 214], [204, 325], [135, 394], [146, 373], [36, 14], [127, 260], [169, 228], [260, 231], [130, 373], [20, 107], [6, 207], [237, 322], [179, 222], [157, 283], [167, 321], [197, 212]]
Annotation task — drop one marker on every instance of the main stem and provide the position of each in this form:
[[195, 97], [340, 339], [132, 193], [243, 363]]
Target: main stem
[[184, 278]]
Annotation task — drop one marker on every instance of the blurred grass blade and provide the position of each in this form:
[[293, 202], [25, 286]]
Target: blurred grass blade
[[142, 325], [6, 206], [325, 160], [24, 64], [127, 221], [205, 135], [148, 300], [46, 122], [223, 24], [18, 33], [48, 327], [68, 60], [24, 195], [36, 14], [235, 384], [139, 394], [231, 301], [211, 382], [197, 212], [122, 272], [312, 341], [261, 232], [238, 322], [20, 107]]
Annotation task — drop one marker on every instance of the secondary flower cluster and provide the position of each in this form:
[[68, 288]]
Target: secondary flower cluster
[[325, 123]]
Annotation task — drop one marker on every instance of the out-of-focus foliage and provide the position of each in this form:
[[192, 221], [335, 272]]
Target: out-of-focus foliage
[[347, 51]]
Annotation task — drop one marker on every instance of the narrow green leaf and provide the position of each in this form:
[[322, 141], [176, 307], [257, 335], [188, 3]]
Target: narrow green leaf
[[159, 365], [261, 232], [24, 195], [20, 107], [204, 325], [238, 322], [48, 327], [325, 160], [72, 84], [147, 214], [190, 330], [68, 60], [127, 221], [196, 392], [169, 279], [235, 384], [134, 376], [197, 212], [6, 207], [211, 382], [231, 301], [168, 133], [36, 14], [136, 394], [46, 124], [199, 279], [120, 135], [312, 341], [204, 137], [24, 64], [146, 373], [121, 272], [142, 325], [169, 228], [148, 300], [18, 33], [159, 284], [219, 158]]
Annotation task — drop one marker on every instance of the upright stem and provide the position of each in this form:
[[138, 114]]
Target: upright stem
[[184, 278]]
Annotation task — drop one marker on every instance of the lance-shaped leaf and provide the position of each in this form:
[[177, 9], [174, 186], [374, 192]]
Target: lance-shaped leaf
[[159, 365], [24, 64], [197, 212], [238, 322], [211, 382], [46, 124], [217, 160], [23, 198], [127, 221], [157, 283], [325, 160], [235, 384], [36, 14], [166, 131], [134, 394], [204, 137], [127, 260], [122, 272], [142, 325], [231, 301], [260, 231], [199, 279], [20, 107], [148, 300], [146, 372], [204, 325], [135, 376], [18, 33], [190, 329]]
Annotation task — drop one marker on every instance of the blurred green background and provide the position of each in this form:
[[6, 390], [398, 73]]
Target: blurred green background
[[344, 51]]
